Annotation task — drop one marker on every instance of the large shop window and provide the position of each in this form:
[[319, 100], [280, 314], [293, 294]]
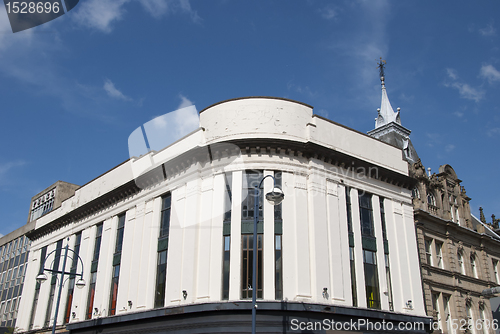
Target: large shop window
[[247, 266], [278, 242], [371, 279]]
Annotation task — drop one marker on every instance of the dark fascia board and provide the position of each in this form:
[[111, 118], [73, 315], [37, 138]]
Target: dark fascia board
[[297, 308]]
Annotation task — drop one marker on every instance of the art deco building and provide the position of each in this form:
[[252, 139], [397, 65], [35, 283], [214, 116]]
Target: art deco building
[[459, 255], [166, 238]]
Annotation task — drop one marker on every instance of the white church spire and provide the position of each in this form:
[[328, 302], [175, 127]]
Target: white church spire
[[386, 114]]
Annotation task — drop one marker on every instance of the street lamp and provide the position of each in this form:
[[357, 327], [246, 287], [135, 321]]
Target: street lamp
[[42, 277], [275, 197]]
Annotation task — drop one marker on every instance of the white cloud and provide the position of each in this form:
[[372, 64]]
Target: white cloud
[[493, 132], [110, 88], [158, 8], [449, 148], [490, 73], [185, 102], [465, 90], [1, 235], [489, 30], [453, 74], [100, 14], [305, 90], [6, 167], [459, 114], [328, 13]]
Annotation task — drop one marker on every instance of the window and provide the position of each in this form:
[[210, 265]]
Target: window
[[415, 193], [495, 271], [251, 179], [71, 282], [439, 254], [382, 218], [37, 288], [166, 202], [247, 266], [431, 199], [353, 277], [53, 283], [225, 268], [371, 279], [484, 325], [348, 207], [114, 289], [278, 268], [116, 264], [446, 313], [460, 259], [119, 233], [93, 270], [366, 214], [473, 265], [90, 299], [278, 242], [428, 251], [389, 282], [161, 266], [228, 177], [97, 247], [470, 319], [161, 279]]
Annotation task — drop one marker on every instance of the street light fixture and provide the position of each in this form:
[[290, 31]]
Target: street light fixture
[[42, 277], [275, 197]]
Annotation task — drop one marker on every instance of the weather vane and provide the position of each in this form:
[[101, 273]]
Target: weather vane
[[381, 66]]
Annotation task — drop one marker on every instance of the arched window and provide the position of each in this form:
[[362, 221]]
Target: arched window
[[470, 319], [431, 199], [473, 265], [460, 258], [482, 315], [415, 193]]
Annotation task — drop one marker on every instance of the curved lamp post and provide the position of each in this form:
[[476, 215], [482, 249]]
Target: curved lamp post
[[274, 197], [42, 277]]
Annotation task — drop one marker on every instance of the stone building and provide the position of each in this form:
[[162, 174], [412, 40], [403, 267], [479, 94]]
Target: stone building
[[169, 249], [458, 254]]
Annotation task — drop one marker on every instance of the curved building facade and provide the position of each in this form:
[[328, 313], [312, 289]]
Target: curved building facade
[[166, 238]]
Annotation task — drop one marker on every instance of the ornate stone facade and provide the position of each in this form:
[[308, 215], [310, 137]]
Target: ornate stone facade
[[459, 255]]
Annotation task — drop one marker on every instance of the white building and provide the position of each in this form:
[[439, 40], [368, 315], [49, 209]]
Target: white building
[[171, 250]]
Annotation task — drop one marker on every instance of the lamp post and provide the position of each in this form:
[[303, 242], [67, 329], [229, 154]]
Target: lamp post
[[274, 197], [42, 277]]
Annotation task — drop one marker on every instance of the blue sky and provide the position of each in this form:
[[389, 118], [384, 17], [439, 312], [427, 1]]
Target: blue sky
[[74, 89]]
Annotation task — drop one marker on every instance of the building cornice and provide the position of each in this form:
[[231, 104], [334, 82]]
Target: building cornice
[[174, 167]]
